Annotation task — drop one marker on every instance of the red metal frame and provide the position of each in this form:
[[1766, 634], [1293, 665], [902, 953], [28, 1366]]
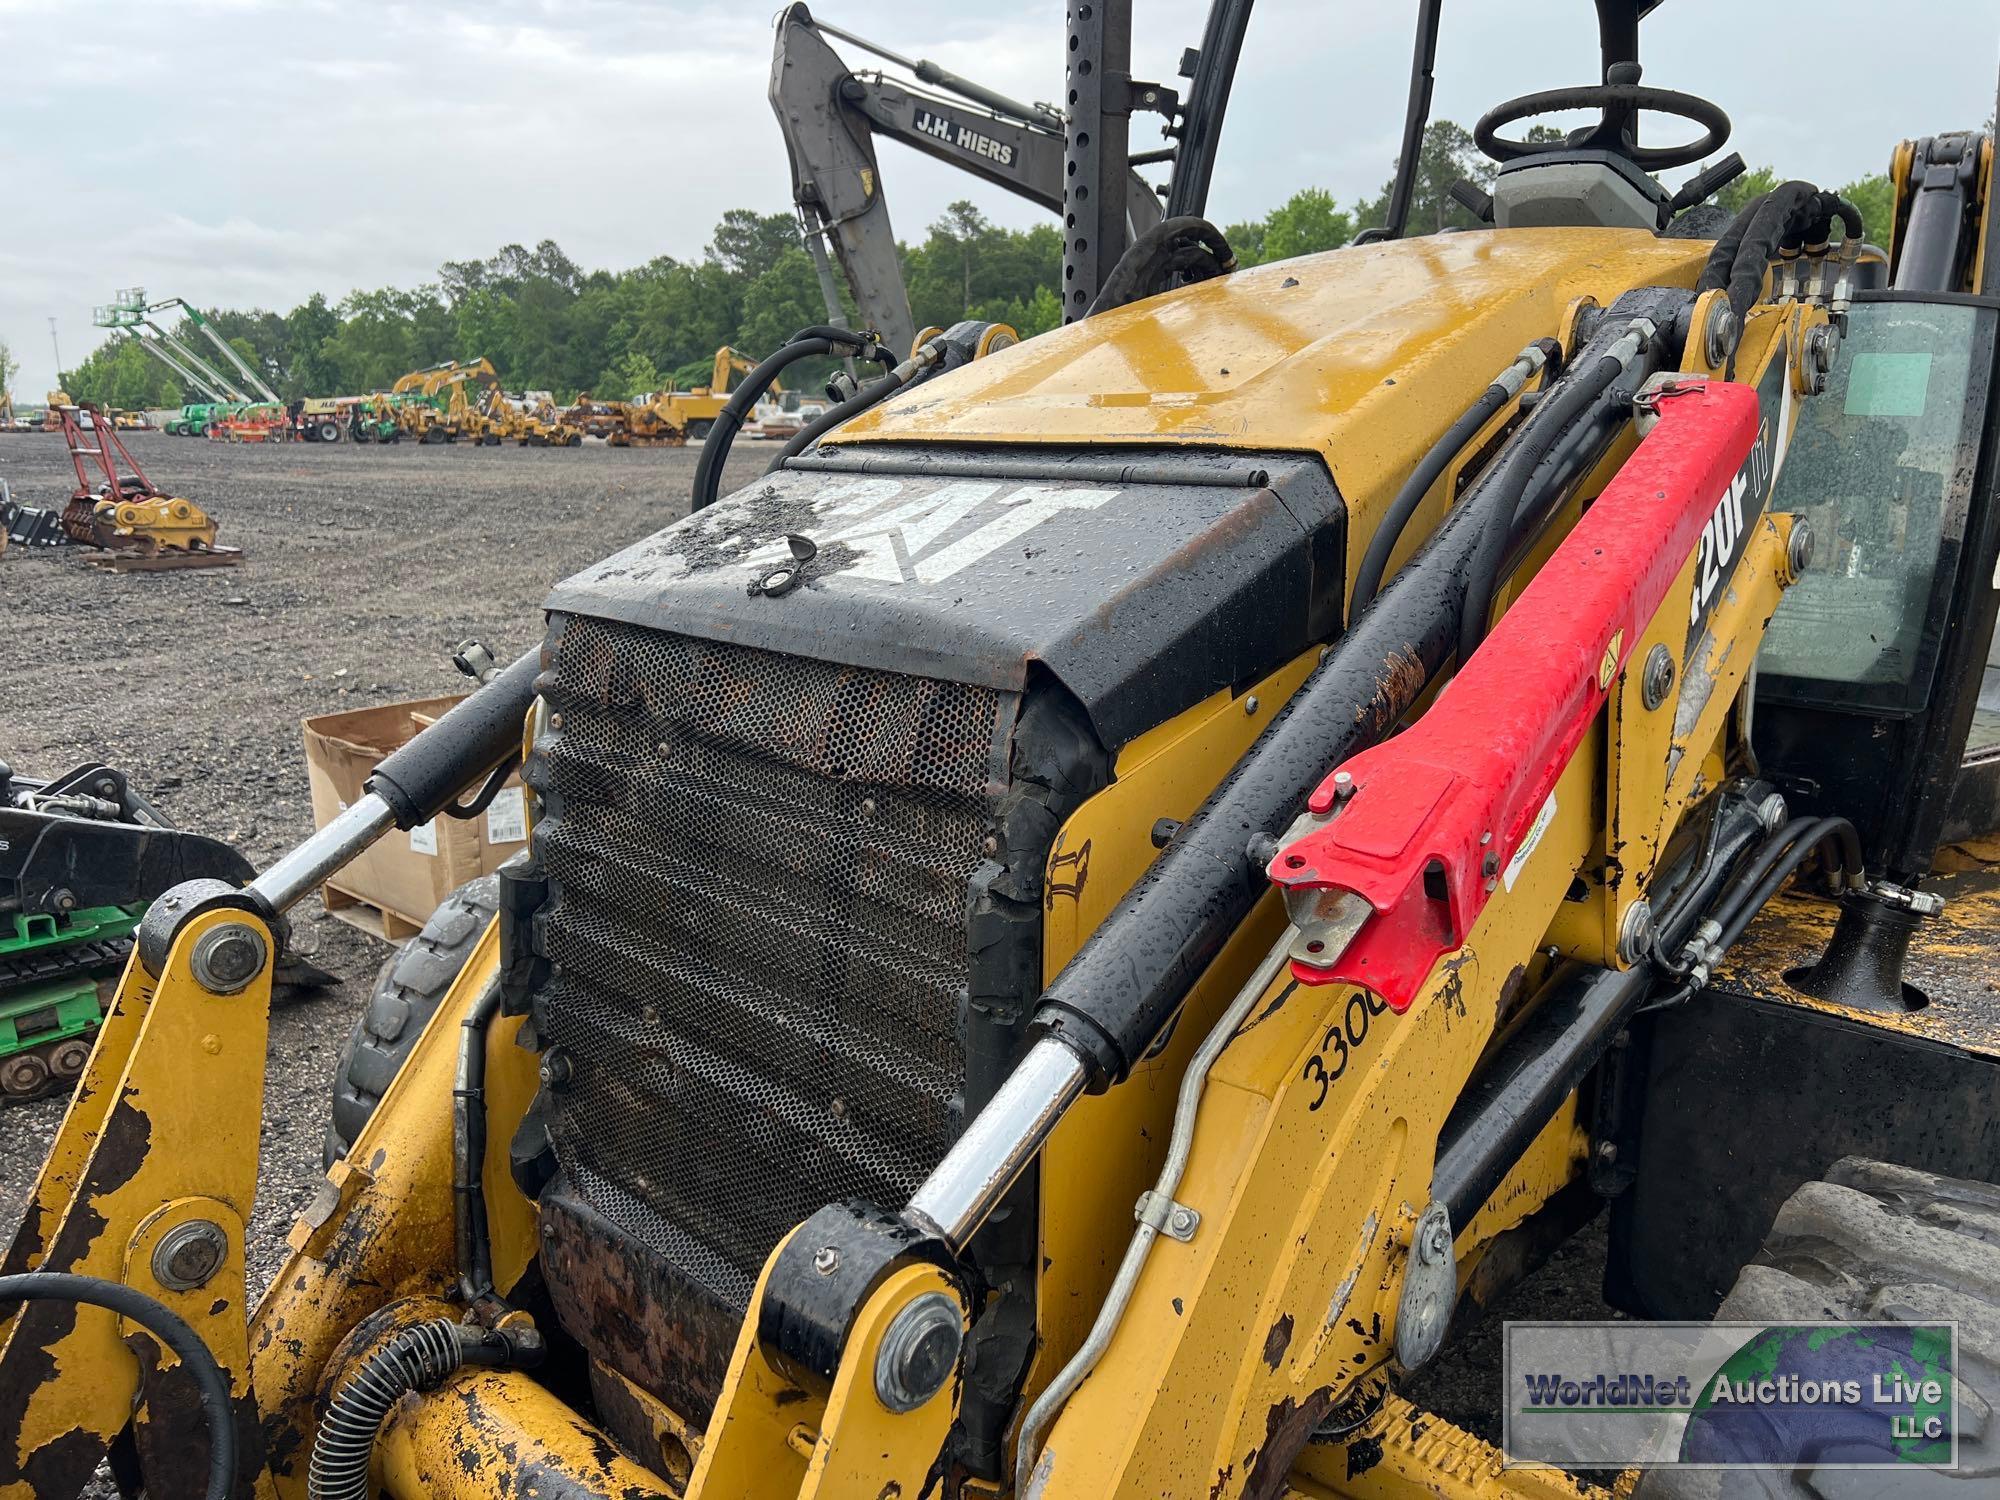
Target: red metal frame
[[1461, 788], [109, 452]]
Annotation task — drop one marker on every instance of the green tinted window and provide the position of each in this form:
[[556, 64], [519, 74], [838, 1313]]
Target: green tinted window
[[1877, 466]]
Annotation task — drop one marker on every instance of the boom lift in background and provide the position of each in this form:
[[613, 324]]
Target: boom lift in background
[[831, 117], [1077, 931]]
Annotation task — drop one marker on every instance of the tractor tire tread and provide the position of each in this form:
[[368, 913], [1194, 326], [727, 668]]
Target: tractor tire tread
[[409, 987], [1873, 1242]]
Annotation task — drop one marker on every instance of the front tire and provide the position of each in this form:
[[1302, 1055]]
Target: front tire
[[409, 987], [1872, 1242]]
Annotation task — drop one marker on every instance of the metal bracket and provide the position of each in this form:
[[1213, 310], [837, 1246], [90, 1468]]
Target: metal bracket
[[1646, 401], [1923, 903], [1430, 1285], [1175, 1220]]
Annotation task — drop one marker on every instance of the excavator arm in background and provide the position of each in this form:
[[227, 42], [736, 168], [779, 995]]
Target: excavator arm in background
[[831, 116], [728, 362]]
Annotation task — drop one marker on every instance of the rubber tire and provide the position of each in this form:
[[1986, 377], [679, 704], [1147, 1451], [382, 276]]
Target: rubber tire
[[1874, 1242], [329, 432], [409, 987], [699, 429]]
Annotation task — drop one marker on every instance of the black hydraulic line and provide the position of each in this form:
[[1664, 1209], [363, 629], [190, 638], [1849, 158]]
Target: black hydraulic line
[[421, 778], [919, 367], [1736, 828], [1568, 402], [807, 343], [1183, 245], [1208, 101], [869, 395], [722, 436], [1739, 914], [1130, 976], [1582, 1009], [1521, 1087], [1375, 561], [1722, 254], [218, 1410], [1416, 116], [483, 798], [468, 1148], [1772, 219], [420, 1358]]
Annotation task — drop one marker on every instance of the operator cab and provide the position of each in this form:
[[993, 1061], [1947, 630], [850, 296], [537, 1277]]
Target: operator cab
[[1880, 656]]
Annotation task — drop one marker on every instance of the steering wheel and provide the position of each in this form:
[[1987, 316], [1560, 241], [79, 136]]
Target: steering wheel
[[1619, 102]]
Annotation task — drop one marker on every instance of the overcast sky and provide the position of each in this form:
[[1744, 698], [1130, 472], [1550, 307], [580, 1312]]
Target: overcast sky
[[250, 152]]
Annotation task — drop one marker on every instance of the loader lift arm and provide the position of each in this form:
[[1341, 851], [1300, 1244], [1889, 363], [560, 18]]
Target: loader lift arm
[[831, 115]]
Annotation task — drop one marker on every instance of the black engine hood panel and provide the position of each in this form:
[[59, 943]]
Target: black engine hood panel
[[1141, 582]]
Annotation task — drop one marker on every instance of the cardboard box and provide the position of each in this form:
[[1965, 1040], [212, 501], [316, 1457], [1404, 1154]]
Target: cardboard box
[[392, 889]]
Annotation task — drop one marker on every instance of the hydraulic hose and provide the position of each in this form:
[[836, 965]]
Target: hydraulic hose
[[1790, 217], [1188, 245], [1129, 977], [807, 343], [420, 1358], [1505, 387], [1692, 956], [911, 371], [218, 1411], [468, 1120], [1552, 418], [1771, 873]]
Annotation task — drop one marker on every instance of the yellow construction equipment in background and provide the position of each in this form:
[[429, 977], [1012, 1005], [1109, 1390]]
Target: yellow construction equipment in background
[[672, 418]]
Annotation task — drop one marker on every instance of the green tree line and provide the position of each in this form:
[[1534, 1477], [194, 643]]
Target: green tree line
[[548, 324]]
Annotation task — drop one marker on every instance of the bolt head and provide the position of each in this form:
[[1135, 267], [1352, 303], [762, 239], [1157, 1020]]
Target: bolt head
[[1343, 784], [1183, 1220], [557, 1069], [1435, 1246], [826, 1260], [189, 1255], [1657, 678], [1250, 704], [1721, 334], [228, 957], [1799, 550], [919, 1352]]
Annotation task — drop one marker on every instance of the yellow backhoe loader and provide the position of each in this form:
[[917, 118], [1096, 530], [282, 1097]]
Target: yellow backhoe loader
[[1084, 926], [673, 418], [446, 411]]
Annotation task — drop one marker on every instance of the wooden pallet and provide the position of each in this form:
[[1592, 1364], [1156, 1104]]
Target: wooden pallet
[[164, 562], [376, 921]]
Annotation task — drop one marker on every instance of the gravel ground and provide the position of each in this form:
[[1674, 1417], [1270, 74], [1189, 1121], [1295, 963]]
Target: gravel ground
[[364, 566]]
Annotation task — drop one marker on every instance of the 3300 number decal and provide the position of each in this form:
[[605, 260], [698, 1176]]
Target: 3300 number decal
[[1343, 1038]]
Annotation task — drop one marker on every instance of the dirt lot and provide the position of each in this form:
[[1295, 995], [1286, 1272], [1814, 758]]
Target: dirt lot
[[364, 566]]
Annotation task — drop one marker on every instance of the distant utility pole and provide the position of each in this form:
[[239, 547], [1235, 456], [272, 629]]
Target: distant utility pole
[[58, 348]]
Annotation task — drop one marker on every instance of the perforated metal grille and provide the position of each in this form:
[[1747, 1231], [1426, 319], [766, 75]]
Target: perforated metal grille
[[759, 872]]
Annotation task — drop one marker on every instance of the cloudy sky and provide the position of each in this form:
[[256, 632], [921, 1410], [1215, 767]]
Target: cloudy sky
[[250, 152]]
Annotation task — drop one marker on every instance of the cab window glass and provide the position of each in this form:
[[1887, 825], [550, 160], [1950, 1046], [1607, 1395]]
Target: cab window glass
[[1877, 466]]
